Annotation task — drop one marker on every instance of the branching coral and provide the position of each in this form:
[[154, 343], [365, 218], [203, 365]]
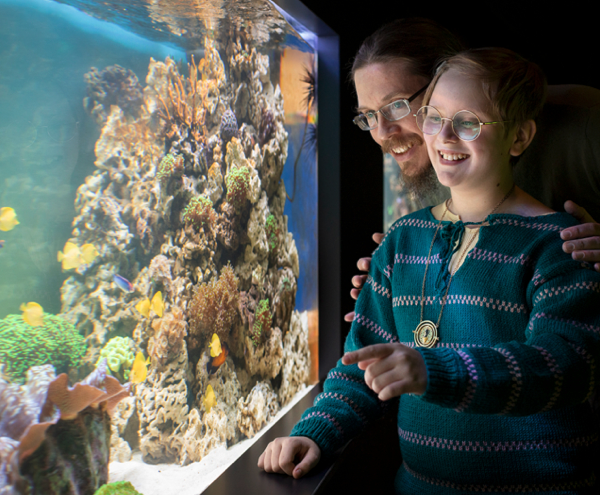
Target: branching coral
[[57, 342], [168, 339], [200, 213], [185, 105], [237, 182], [262, 321], [213, 308]]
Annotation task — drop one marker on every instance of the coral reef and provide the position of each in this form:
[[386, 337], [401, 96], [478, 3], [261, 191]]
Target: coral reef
[[168, 340], [119, 355], [262, 321], [237, 182], [112, 86], [57, 342], [162, 405], [187, 199], [257, 409], [213, 309], [295, 368]]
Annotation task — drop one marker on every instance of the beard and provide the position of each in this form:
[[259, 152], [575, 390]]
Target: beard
[[423, 184]]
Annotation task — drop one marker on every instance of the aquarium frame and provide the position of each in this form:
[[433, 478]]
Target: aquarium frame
[[328, 166], [243, 476]]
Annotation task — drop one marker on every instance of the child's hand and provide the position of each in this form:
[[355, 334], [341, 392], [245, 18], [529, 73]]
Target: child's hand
[[390, 369], [583, 241], [294, 456]]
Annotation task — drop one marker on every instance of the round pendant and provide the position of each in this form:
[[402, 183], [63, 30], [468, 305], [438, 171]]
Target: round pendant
[[426, 334]]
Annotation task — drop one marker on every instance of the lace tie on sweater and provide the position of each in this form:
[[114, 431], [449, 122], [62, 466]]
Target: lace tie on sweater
[[452, 234]]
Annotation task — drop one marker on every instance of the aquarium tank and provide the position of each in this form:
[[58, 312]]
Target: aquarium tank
[[158, 238]]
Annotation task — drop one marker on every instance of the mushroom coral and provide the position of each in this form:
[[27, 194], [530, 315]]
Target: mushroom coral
[[65, 447]]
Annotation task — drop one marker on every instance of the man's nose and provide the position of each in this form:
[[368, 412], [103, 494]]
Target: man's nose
[[385, 128]]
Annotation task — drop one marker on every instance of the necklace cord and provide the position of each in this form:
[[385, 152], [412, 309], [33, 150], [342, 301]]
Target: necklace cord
[[457, 265]]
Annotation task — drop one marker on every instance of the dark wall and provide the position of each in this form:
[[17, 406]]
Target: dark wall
[[563, 41]]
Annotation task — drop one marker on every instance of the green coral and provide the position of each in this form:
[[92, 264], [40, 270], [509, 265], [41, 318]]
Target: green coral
[[200, 213], [168, 166], [56, 342], [262, 320], [238, 186], [118, 352], [272, 230], [117, 488]]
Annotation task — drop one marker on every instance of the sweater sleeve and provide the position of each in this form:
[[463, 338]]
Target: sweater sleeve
[[556, 365], [347, 404]]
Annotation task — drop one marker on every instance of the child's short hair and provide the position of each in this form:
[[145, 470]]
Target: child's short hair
[[515, 87]]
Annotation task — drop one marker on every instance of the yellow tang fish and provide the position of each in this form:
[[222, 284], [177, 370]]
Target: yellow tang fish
[[139, 370], [89, 253], [215, 346], [33, 314], [72, 257], [157, 304], [209, 398], [144, 307], [8, 219]]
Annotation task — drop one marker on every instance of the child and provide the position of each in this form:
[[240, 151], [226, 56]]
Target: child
[[472, 314]]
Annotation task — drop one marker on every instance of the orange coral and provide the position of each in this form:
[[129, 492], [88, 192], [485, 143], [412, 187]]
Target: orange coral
[[167, 341], [213, 308], [186, 102]]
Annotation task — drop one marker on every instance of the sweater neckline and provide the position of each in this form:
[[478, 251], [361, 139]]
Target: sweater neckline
[[498, 216]]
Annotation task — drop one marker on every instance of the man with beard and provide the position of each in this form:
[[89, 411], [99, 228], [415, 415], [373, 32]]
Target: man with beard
[[391, 71]]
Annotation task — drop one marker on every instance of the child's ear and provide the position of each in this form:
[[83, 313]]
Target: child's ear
[[523, 137]]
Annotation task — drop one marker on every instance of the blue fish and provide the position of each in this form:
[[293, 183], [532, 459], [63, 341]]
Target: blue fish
[[123, 283], [1, 244]]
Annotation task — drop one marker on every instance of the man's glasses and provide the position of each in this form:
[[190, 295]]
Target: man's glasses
[[391, 112], [465, 124]]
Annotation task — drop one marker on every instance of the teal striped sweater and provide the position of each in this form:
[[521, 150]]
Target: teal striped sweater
[[506, 406]]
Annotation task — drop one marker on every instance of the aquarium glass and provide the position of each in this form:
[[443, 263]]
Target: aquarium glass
[[158, 238]]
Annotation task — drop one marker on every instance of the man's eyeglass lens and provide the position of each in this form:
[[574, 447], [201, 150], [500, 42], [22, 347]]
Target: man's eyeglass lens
[[393, 111], [466, 125]]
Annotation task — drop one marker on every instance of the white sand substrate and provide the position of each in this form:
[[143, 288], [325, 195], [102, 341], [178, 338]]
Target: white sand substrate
[[193, 479]]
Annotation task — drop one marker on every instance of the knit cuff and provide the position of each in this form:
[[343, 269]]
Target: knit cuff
[[322, 432], [445, 372]]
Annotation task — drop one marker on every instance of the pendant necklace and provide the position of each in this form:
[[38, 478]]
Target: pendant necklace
[[426, 333]]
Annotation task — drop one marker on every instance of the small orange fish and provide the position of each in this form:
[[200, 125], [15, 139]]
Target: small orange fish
[[33, 314], [213, 366]]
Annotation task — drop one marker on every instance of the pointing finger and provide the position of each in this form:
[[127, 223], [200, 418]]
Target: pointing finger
[[376, 351]]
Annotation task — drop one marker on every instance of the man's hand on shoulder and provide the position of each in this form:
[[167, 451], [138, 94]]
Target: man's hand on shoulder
[[582, 241], [359, 280], [294, 456]]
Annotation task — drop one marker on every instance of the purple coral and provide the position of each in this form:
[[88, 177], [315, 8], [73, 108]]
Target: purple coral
[[229, 125]]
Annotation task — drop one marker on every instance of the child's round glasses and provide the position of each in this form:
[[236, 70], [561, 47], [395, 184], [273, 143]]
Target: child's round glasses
[[465, 124]]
